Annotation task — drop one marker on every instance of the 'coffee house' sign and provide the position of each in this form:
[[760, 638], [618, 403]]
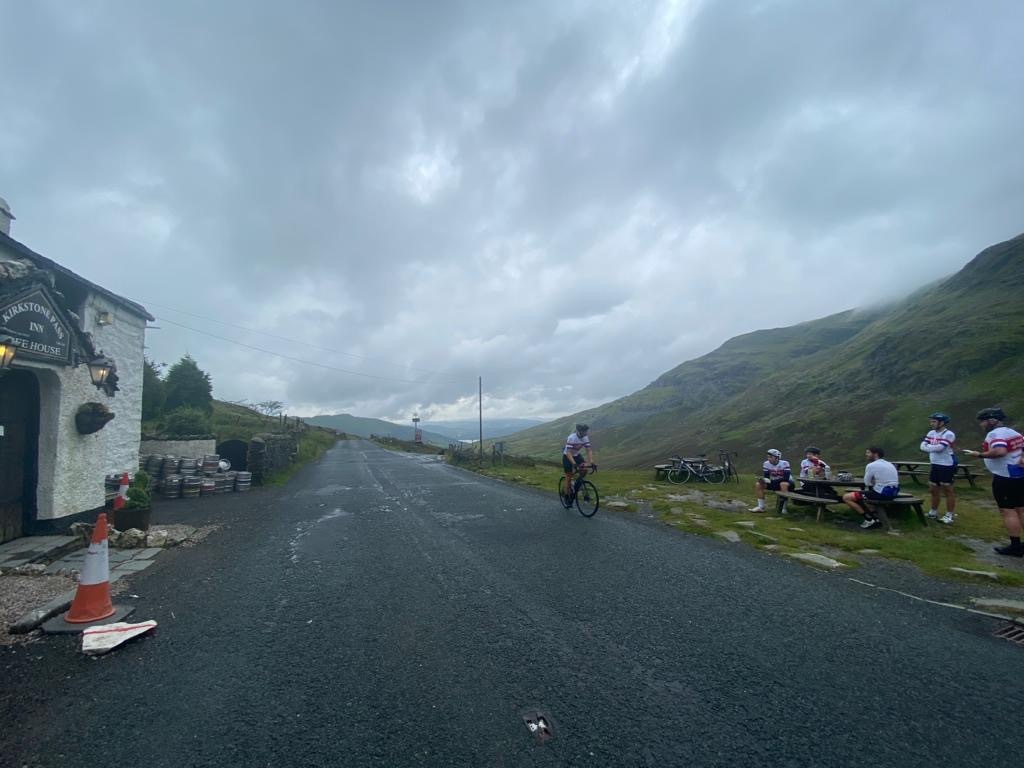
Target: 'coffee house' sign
[[37, 329]]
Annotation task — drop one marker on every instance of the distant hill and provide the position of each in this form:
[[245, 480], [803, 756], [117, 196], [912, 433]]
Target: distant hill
[[435, 432], [469, 429], [840, 382], [364, 427]]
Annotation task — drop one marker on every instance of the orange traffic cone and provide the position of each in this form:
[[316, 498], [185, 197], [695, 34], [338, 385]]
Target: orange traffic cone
[[92, 600], [122, 493]]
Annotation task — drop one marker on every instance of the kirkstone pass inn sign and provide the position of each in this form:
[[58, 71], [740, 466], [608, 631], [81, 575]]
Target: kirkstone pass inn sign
[[36, 327]]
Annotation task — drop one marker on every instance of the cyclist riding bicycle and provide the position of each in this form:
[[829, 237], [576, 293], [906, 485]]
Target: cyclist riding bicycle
[[576, 443]]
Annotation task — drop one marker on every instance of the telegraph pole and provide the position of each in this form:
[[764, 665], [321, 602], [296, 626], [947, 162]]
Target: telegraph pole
[[481, 401]]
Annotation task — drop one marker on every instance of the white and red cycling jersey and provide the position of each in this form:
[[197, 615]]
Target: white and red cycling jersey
[[812, 468], [574, 444], [1007, 465], [938, 443], [775, 472]]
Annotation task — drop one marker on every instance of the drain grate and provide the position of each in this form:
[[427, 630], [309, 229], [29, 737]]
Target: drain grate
[[1012, 632], [539, 725]]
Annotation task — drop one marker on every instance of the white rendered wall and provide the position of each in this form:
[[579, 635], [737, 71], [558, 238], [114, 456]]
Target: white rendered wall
[[72, 466]]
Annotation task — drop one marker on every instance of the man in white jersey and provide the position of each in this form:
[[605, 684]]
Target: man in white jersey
[[777, 476], [938, 444], [1002, 451], [881, 483], [576, 443]]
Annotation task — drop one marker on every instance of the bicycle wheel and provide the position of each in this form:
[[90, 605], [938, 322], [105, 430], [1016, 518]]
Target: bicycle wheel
[[679, 475], [587, 500], [563, 493], [715, 475]]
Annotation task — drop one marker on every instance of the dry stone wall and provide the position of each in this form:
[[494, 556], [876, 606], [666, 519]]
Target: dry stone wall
[[270, 453]]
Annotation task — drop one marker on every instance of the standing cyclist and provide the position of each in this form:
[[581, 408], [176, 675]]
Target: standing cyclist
[[575, 443], [1002, 451], [938, 444]]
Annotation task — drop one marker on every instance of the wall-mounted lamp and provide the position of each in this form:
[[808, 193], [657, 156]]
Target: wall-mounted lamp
[[99, 370], [7, 350]]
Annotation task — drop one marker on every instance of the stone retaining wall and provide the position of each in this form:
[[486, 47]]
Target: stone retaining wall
[[270, 453], [191, 449]]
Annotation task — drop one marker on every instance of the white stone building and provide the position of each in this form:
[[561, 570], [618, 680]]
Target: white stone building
[[63, 427]]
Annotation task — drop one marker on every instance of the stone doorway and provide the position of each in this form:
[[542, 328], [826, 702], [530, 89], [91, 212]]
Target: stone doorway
[[19, 451], [235, 451]]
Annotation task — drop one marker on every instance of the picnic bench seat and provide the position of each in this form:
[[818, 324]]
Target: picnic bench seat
[[915, 470], [903, 501], [661, 471]]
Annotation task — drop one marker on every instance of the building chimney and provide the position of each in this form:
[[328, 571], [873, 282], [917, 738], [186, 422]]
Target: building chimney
[[6, 217]]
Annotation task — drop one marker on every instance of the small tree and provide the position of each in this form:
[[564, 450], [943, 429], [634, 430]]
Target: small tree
[[154, 393], [270, 407], [187, 385], [187, 421]]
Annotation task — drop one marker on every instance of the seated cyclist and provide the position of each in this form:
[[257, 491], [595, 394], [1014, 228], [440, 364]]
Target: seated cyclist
[[813, 466], [576, 443], [777, 477]]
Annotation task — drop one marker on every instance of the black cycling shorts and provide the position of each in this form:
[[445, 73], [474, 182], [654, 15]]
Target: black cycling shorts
[[567, 463], [941, 475], [1008, 491]]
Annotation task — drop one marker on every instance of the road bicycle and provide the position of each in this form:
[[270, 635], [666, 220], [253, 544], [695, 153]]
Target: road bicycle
[[684, 469], [583, 494]]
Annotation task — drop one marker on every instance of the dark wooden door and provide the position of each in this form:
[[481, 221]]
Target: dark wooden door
[[19, 421]]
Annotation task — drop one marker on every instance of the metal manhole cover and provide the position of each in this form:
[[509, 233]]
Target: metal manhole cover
[[539, 724], [1012, 632]]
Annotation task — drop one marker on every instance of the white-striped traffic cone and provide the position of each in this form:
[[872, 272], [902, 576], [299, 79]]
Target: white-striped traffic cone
[[92, 599], [122, 493]]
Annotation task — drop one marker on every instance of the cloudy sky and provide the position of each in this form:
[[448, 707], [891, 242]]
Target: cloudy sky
[[567, 198]]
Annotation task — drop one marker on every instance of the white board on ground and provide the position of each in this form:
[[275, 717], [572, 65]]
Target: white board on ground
[[106, 637]]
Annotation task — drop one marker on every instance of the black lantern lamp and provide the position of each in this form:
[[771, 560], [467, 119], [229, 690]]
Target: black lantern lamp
[[7, 350], [99, 370]]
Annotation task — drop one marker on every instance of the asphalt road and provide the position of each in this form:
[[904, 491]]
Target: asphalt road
[[388, 610]]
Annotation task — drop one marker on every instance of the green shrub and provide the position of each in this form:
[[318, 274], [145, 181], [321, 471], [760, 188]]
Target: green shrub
[[138, 492], [187, 421]]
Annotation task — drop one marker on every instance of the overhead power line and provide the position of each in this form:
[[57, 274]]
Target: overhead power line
[[293, 341], [292, 359]]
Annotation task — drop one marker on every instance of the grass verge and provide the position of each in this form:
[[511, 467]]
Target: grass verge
[[311, 446], [698, 508]]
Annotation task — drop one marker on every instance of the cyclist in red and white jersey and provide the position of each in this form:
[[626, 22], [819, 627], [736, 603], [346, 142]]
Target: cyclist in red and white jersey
[[777, 476], [938, 444], [576, 443], [1002, 451]]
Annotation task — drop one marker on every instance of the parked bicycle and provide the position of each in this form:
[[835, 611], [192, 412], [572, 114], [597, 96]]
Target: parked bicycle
[[685, 469], [583, 492]]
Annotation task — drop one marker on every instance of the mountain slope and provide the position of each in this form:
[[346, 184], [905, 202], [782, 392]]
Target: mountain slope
[[841, 382], [364, 427]]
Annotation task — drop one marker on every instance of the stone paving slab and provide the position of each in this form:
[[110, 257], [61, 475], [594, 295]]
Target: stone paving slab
[[145, 554], [134, 565]]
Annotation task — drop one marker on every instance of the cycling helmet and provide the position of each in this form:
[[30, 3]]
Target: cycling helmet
[[775, 453], [991, 413], [940, 416], [813, 449], [582, 428]]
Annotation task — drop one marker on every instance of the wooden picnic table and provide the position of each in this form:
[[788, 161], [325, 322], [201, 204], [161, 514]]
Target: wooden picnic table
[[917, 468], [824, 493]]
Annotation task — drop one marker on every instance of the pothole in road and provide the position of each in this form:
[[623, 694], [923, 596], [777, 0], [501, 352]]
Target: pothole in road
[[539, 724]]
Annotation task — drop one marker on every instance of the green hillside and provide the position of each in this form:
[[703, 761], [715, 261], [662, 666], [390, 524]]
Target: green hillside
[[364, 427], [842, 381]]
